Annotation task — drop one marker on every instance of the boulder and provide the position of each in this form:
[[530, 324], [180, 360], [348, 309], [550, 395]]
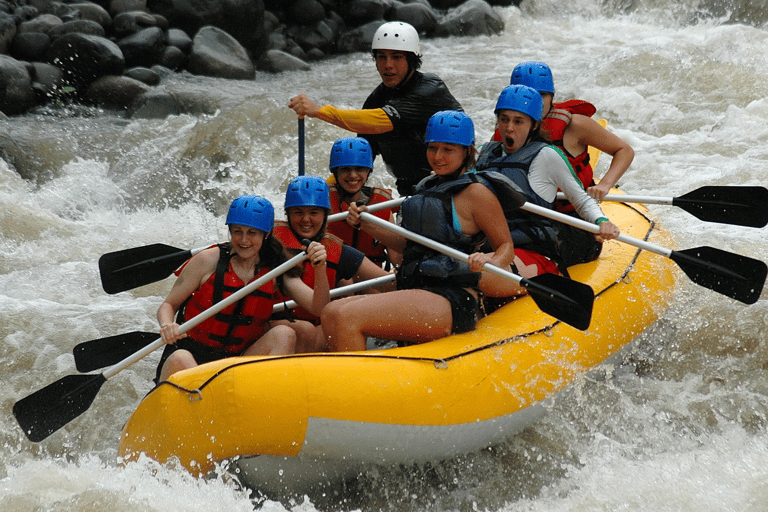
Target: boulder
[[216, 53], [126, 23], [94, 12], [360, 12], [144, 75], [277, 61], [472, 18], [30, 46], [16, 93], [7, 31], [84, 58], [43, 23], [358, 39], [306, 12], [116, 92], [81, 26], [143, 48], [173, 58], [178, 38], [421, 16]]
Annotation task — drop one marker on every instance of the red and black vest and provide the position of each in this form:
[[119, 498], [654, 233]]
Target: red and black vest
[[555, 125], [237, 326], [282, 231], [360, 240]]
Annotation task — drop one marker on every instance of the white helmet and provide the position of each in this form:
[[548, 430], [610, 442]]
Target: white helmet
[[396, 35]]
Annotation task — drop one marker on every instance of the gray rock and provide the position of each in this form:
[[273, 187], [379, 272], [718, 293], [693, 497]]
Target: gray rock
[[93, 12], [85, 58], [143, 48], [126, 23], [359, 12], [30, 46], [472, 18], [178, 38], [144, 75], [216, 53], [306, 12], [173, 58], [16, 93], [277, 61], [116, 92], [43, 23], [358, 39], [7, 31], [422, 17], [155, 105], [81, 26]]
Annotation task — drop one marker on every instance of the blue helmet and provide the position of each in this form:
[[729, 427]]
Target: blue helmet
[[520, 98], [536, 75], [351, 151], [450, 126], [252, 211], [308, 191]]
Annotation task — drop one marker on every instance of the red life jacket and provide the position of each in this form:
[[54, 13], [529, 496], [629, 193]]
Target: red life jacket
[[557, 122], [237, 326], [357, 238], [282, 231]]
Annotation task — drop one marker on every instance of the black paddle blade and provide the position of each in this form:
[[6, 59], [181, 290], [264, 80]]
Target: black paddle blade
[[44, 412], [131, 268], [732, 275], [565, 299], [95, 354], [740, 206]]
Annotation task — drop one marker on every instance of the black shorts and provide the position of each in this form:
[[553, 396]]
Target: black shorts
[[464, 307], [201, 353]]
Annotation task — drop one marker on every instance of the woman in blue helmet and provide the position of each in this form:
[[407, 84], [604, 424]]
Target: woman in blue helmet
[[351, 163], [213, 274], [569, 125], [540, 169], [307, 205], [436, 295]]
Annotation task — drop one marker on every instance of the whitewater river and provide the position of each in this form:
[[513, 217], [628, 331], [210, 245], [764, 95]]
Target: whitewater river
[[681, 426]]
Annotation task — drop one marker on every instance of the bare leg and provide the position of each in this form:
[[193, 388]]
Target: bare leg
[[408, 315], [179, 360], [307, 336], [278, 340]]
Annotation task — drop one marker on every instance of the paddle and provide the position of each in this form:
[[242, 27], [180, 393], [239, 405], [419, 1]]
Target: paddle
[[139, 266], [131, 268], [301, 145], [44, 412], [740, 206], [732, 275], [95, 354], [564, 299]]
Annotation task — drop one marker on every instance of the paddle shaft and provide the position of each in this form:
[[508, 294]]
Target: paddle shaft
[[301, 146], [337, 292], [392, 203], [208, 313]]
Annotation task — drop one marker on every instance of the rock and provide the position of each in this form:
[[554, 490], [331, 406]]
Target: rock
[[242, 19], [117, 92], [50, 79], [472, 18], [7, 31], [155, 105], [79, 26], [359, 12], [84, 58], [173, 58], [421, 16], [320, 35], [276, 61], [118, 6], [358, 39], [126, 23], [94, 12], [26, 12], [16, 93], [306, 12], [43, 23], [30, 46], [178, 38], [144, 75], [143, 48], [216, 53]]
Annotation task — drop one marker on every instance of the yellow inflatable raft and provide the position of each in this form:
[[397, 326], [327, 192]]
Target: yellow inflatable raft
[[294, 421]]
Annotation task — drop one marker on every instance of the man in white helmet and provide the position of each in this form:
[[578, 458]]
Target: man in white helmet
[[395, 115]]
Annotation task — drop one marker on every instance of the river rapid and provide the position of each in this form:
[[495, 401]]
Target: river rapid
[[679, 426]]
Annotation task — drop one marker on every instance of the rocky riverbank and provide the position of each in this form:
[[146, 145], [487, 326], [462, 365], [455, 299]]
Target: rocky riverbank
[[111, 53]]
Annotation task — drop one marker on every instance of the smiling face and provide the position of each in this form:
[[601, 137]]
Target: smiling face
[[351, 178], [306, 221], [446, 158], [392, 66], [246, 241], [514, 128]]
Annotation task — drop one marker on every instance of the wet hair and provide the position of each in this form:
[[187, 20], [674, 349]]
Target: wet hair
[[414, 61]]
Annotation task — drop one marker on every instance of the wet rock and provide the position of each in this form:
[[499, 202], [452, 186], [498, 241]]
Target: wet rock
[[43, 23], [360, 12], [144, 75], [7, 31], [306, 12], [16, 93], [178, 38], [126, 23], [30, 46], [155, 105], [26, 12], [358, 39], [276, 61], [116, 92], [421, 16], [78, 26], [173, 58], [143, 48], [472, 18], [216, 53], [118, 6], [84, 58], [47, 78], [94, 12], [319, 35]]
